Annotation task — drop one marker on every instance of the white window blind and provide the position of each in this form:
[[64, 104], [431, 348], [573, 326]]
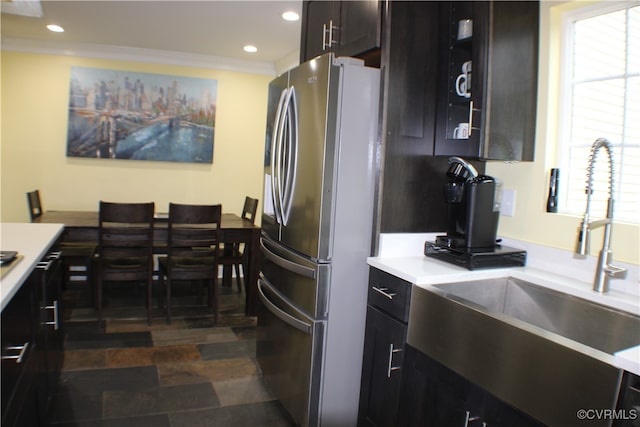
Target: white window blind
[[601, 98]]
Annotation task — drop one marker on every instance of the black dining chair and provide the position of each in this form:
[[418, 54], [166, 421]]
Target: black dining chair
[[234, 254], [192, 250], [125, 248], [76, 256]]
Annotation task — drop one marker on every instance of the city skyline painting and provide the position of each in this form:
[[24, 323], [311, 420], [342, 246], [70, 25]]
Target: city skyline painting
[[140, 116]]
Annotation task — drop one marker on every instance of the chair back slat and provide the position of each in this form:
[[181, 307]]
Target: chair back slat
[[193, 226], [127, 213], [125, 229]]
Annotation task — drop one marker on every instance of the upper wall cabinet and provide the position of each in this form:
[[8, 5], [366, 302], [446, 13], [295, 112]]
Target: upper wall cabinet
[[412, 178], [347, 28], [487, 79]]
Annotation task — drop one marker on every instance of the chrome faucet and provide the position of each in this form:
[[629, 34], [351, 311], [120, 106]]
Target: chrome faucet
[[604, 270]]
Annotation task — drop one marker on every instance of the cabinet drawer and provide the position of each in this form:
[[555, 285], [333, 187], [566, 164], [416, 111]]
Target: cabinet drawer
[[390, 294]]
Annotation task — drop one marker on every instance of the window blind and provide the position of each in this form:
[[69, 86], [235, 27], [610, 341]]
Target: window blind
[[601, 82]]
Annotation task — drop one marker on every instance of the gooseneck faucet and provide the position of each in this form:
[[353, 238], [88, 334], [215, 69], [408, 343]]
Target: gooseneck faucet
[[604, 270]]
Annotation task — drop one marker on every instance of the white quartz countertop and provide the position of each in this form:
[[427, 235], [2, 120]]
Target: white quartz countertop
[[423, 272], [31, 241], [402, 256]]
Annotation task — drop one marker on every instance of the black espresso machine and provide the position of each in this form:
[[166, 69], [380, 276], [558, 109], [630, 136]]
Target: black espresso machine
[[473, 203]]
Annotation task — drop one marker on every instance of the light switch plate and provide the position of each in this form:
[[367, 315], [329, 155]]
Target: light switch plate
[[508, 203]]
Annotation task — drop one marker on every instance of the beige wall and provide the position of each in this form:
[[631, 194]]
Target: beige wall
[[531, 222], [35, 92], [33, 131]]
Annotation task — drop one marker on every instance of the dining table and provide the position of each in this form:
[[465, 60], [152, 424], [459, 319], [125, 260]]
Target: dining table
[[82, 226]]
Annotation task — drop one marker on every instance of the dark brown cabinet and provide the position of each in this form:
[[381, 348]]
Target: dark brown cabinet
[[22, 364], [488, 79], [50, 335], [347, 28], [422, 57], [433, 395], [629, 401], [462, 78], [412, 179], [32, 346], [385, 335], [422, 60]]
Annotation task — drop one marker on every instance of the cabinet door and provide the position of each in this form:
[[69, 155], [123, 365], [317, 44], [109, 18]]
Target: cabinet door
[[498, 414], [412, 75], [488, 80], [511, 81], [413, 179], [360, 27], [461, 62], [26, 410], [381, 370], [22, 362], [429, 396], [18, 343], [319, 28], [434, 395], [51, 336]]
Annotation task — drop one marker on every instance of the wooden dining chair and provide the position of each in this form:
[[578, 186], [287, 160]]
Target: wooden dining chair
[[234, 254], [194, 236], [125, 248], [77, 257]]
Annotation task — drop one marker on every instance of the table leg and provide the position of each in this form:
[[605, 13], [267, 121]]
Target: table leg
[[227, 269]]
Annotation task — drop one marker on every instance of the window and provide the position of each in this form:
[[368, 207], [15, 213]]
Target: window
[[601, 98]]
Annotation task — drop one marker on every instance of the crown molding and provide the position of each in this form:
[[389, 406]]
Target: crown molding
[[137, 55]]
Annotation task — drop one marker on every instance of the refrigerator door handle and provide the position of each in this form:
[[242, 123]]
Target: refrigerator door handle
[[281, 314], [298, 269], [290, 147], [275, 154]]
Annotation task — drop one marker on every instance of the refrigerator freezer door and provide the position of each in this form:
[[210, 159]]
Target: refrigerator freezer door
[[289, 352], [303, 282]]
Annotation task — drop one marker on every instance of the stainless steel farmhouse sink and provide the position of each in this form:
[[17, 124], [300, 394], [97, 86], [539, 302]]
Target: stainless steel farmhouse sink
[[545, 352], [591, 324]]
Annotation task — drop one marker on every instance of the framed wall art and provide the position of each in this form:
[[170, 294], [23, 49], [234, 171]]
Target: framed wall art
[[140, 116]]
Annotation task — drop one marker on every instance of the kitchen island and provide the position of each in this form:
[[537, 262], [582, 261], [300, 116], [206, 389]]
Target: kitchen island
[[32, 329], [31, 241]]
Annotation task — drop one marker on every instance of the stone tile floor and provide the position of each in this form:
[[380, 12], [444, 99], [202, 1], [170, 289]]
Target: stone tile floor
[[191, 373]]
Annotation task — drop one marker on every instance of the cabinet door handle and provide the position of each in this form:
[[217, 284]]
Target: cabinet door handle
[[390, 366], [54, 307], [385, 292], [54, 255], [329, 31], [471, 110], [324, 36], [18, 357], [44, 265], [468, 418]]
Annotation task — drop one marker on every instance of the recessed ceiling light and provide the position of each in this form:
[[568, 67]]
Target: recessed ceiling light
[[290, 16], [55, 28], [251, 49]]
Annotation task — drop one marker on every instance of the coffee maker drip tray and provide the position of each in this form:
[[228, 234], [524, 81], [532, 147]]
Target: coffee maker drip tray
[[477, 258]]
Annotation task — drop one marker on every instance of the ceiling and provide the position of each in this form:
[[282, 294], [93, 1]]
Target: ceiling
[[208, 28]]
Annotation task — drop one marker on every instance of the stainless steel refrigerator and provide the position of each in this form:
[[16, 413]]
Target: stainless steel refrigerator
[[322, 133]]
